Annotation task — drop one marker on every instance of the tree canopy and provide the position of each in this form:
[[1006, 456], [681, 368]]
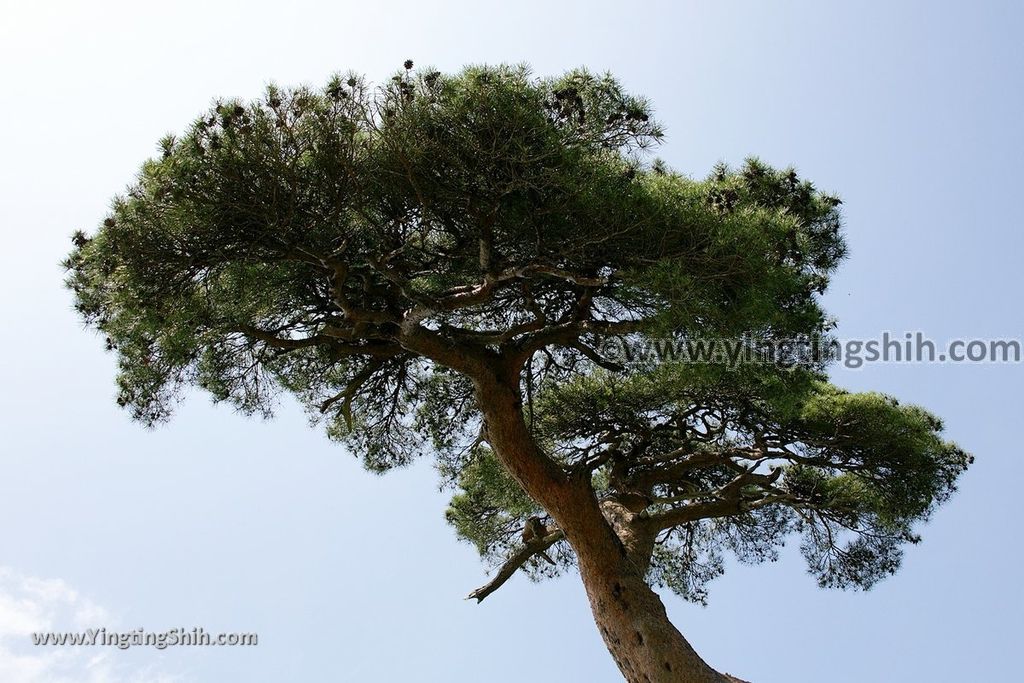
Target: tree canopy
[[372, 250], [733, 461]]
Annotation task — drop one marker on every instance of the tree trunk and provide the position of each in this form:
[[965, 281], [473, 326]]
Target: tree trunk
[[629, 614], [637, 632]]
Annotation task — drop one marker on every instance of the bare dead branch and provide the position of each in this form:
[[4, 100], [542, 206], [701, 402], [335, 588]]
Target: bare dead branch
[[513, 563]]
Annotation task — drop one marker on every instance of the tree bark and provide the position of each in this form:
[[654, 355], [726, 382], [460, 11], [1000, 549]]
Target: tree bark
[[632, 620], [630, 616]]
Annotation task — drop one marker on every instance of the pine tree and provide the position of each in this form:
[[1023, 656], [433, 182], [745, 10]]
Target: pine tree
[[445, 264]]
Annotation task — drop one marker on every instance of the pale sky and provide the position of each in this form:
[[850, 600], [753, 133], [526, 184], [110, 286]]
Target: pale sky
[[912, 112]]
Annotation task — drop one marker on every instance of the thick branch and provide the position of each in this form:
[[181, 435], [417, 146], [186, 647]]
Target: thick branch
[[465, 358], [568, 334], [330, 341], [283, 343], [513, 563], [596, 358]]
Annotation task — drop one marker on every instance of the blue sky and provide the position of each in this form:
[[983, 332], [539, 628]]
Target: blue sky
[[912, 112]]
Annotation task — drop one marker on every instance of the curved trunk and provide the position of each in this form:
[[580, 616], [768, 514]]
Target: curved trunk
[[629, 614], [637, 632]]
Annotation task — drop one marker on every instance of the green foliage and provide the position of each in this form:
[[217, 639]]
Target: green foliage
[[690, 556], [857, 470], [490, 511], [491, 505], [240, 221], [292, 242]]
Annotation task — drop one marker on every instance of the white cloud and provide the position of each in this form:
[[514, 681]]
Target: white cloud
[[29, 604]]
